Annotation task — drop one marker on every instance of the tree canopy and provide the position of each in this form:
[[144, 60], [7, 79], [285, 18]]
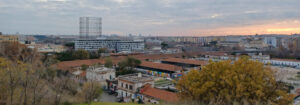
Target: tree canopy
[[127, 66], [81, 54], [108, 63], [244, 82]]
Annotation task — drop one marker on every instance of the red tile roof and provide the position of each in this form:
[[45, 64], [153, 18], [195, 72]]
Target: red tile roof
[[69, 65], [298, 90], [83, 74], [159, 94], [161, 66], [186, 61]]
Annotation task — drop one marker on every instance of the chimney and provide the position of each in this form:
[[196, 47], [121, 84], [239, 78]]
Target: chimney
[[139, 75]]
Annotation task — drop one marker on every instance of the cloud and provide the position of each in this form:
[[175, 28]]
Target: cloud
[[165, 17]]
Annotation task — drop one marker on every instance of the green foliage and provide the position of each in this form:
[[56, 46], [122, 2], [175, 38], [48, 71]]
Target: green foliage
[[94, 55], [81, 54], [67, 103], [84, 67], [70, 45], [243, 82], [298, 76], [127, 66], [164, 45], [91, 90], [124, 72], [102, 50], [65, 56], [108, 63]]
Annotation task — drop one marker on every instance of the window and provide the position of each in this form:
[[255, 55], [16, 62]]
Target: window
[[130, 87], [121, 84], [126, 86]]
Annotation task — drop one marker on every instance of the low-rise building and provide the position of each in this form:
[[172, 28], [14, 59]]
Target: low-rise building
[[154, 95], [49, 48], [129, 85], [187, 64], [283, 62], [100, 74], [159, 69], [9, 38]]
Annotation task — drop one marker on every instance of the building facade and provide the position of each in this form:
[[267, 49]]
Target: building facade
[[100, 74], [9, 38], [111, 44], [129, 85], [271, 41]]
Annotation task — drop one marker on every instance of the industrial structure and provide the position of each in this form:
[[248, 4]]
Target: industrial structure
[[90, 27]]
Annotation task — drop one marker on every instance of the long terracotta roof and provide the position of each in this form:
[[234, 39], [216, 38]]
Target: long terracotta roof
[[68, 65], [160, 66], [186, 61], [159, 94]]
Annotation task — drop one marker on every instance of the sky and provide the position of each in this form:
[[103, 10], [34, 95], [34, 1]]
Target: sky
[[152, 17]]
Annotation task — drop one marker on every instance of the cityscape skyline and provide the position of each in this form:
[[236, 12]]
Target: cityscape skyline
[[159, 18]]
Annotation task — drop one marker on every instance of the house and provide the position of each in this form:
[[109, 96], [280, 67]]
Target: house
[[154, 95], [129, 85], [158, 69], [100, 74]]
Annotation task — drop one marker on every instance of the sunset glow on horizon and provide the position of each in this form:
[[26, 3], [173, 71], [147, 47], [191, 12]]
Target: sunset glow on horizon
[[152, 17]]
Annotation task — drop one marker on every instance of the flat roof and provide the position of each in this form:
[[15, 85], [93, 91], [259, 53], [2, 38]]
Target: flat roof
[[134, 78], [290, 60]]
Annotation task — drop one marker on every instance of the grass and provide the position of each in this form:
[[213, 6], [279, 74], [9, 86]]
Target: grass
[[298, 76], [162, 82], [110, 103]]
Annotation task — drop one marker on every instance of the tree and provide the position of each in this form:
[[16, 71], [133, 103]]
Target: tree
[[243, 82], [90, 91], [108, 63], [102, 50], [65, 56], [127, 66], [14, 51], [129, 63], [164, 45], [21, 82], [70, 45], [81, 54], [60, 83], [84, 67]]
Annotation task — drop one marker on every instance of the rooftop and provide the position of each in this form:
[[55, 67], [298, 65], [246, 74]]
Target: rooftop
[[186, 61], [69, 65], [161, 66], [136, 78], [159, 94], [101, 70], [291, 60]]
